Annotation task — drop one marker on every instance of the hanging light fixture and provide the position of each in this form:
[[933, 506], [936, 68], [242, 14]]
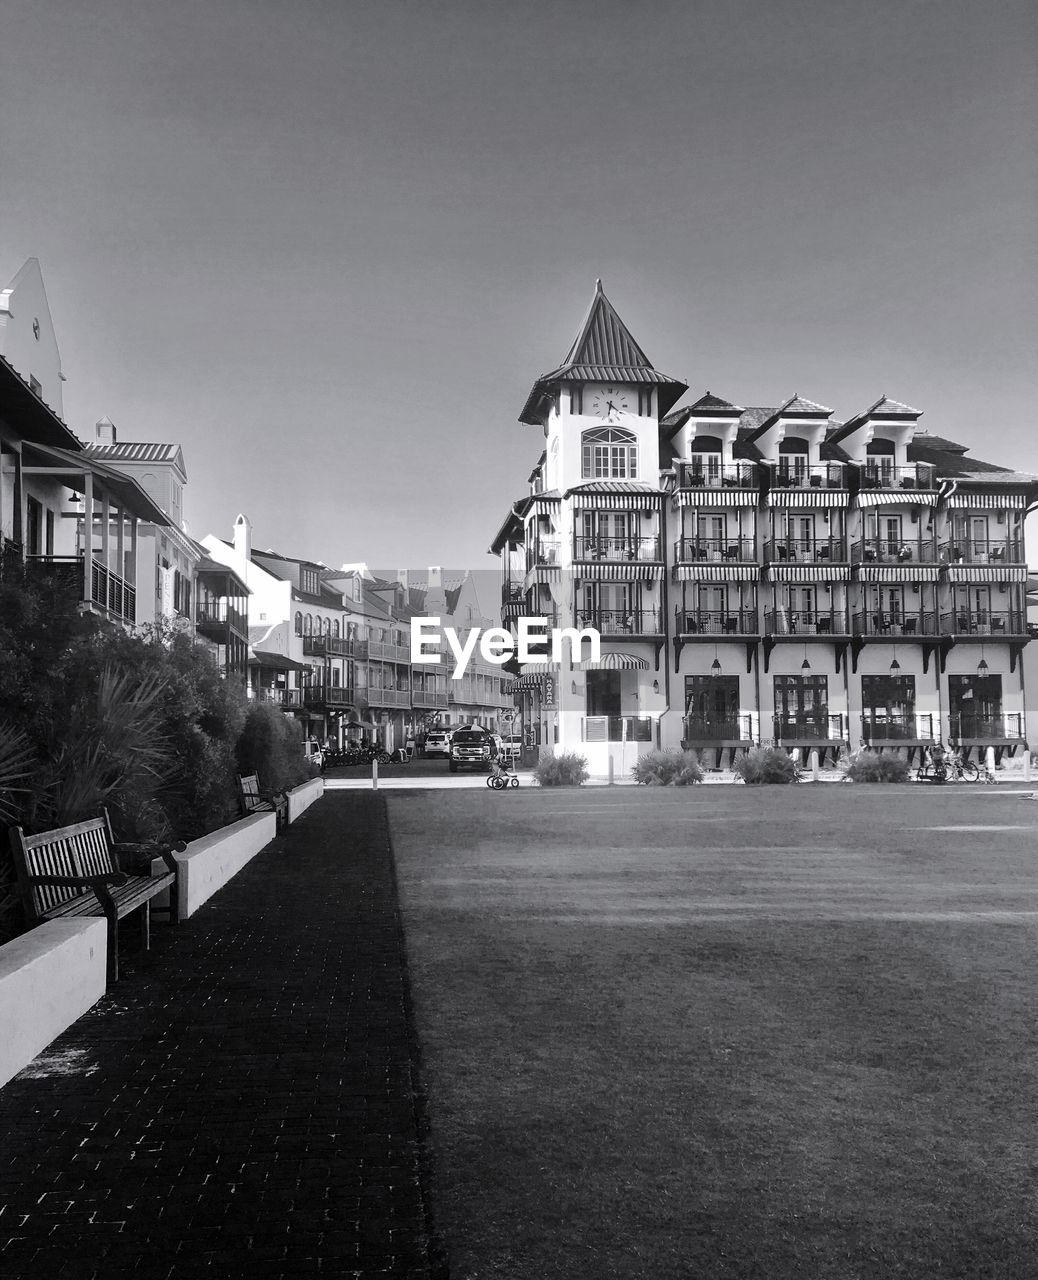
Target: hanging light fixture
[[715, 666], [74, 498], [895, 666], [982, 666], [805, 665]]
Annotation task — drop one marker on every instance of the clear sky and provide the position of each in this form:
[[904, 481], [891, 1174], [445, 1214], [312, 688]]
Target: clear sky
[[328, 245]]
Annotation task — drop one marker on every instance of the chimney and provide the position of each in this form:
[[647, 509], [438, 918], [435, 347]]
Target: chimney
[[104, 430], [434, 577], [243, 540]]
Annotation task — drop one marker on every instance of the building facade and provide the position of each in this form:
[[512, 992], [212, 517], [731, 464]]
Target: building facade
[[760, 575]]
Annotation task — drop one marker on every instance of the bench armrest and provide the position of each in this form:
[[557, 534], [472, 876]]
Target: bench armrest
[[80, 882], [146, 850]]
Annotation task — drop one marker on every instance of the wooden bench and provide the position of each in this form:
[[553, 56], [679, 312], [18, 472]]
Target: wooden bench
[[254, 800], [76, 871]]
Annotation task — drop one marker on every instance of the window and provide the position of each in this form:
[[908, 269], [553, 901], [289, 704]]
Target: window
[[610, 453], [576, 400], [308, 625], [299, 624], [335, 629], [645, 402], [34, 527], [35, 387]]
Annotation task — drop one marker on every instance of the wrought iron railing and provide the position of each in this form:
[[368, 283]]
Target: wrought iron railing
[[896, 726], [621, 622], [108, 590], [824, 475], [617, 549], [805, 622], [716, 550], [806, 550], [717, 622], [823, 727], [983, 551], [894, 551], [884, 624], [999, 622], [328, 695], [738, 728], [1009, 724], [884, 475], [703, 472], [334, 647], [545, 551]]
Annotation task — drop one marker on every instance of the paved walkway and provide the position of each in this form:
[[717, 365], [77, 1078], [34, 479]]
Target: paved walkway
[[243, 1101]]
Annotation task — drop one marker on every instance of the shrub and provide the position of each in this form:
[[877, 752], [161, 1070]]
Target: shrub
[[667, 769], [874, 766], [566, 770], [271, 746], [763, 765]]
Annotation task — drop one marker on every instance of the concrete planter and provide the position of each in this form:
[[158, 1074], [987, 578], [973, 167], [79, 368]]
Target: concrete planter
[[208, 863], [49, 977], [302, 797]]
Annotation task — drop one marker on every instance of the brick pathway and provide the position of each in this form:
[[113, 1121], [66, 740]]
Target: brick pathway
[[243, 1102]]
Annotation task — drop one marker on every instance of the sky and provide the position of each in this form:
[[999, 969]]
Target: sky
[[327, 246]]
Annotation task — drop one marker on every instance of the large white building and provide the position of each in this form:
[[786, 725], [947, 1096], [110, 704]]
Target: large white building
[[760, 574]]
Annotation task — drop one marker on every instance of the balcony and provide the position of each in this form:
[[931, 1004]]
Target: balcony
[[430, 699], [717, 622], [806, 550], [328, 695], [378, 697], [704, 473], [388, 651], [805, 622], [983, 551], [284, 698], [618, 622], [545, 551], [884, 475], [513, 600], [617, 549], [334, 647], [710, 733], [987, 624], [804, 730], [1006, 727], [215, 617], [716, 550], [823, 475], [108, 591], [895, 551], [618, 729], [882, 728], [882, 625], [11, 561]]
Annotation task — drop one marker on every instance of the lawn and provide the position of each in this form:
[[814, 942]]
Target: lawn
[[727, 1032]]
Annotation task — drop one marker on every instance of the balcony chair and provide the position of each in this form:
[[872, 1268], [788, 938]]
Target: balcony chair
[[731, 626], [731, 552], [816, 482], [824, 626], [997, 553], [904, 553], [880, 625], [868, 553], [823, 552], [910, 626]]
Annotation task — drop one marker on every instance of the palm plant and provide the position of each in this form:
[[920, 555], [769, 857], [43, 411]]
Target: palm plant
[[17, 762]]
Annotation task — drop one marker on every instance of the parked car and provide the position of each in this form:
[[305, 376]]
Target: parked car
[[512, 748], [471, 749], [438, 742]]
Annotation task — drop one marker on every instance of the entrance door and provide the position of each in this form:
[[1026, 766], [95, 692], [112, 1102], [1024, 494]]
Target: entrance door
[[711, 708], [888, 707], [975, 706], [801, 708], [603, 693]]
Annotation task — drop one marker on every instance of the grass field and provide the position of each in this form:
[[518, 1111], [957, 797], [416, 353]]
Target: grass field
[[728, 1032]]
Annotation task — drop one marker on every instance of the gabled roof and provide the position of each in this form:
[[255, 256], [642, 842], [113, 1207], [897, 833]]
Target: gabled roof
[[27, 414], [794, 407], [143, 451], [883, 408], [710, 404], [604, 350]]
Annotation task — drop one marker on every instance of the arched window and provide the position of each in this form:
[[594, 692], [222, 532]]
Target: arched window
[[880, 448], [299, 624], [706, 457], [308, 625], [327, 626], [794, 453], [610, 453], [705, 444], [335, 629]]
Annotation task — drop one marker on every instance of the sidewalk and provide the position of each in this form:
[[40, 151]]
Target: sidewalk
[[242, 1103]]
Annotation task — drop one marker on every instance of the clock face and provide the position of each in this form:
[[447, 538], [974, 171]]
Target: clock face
[[610, 402]]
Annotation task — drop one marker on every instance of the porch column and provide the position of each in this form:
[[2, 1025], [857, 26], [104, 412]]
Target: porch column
[[88, 537], [132, 575], [120, 545], [106, 531]]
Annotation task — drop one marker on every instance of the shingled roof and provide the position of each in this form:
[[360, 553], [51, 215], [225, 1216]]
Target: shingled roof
[[604, 350]]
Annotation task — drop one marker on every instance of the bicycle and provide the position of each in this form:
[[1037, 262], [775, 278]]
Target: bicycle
[[930, 771], [501, 781], [964, 771]]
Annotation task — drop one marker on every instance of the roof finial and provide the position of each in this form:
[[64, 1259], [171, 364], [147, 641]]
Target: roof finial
[[598, 285]]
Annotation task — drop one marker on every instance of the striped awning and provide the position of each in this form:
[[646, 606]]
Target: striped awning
[[897, 498], [546, 573], [523, 682], [716, 573], [616, 501], [715, 498], [987, 501], [627, 572], [808, 498], [898, 572], [809, 572], [986, 573], [614, 662], [545, 500]]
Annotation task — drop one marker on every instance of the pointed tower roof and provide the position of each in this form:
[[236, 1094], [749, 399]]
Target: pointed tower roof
[[604, 350]]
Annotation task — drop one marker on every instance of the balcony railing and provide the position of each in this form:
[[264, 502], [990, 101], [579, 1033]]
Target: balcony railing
[[389, 651], [822, 727], [717, 622], [328, 695], [279, 697], [884, 624], [618, 729], [895, 551], [619, 622], [622, 549], [805, 622], [704, 473], [108, 590], [998, 623], [995, 728], [824, 475], [806, 550], [892, 726], [738, 728], [716, 550], [379, 697], [334, 647], [983, 551], [220, 614], [11, 560], [884, 475], [429, 698]]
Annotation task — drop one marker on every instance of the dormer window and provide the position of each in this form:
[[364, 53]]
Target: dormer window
[[610, 453], [706, 454], [793, 459]]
